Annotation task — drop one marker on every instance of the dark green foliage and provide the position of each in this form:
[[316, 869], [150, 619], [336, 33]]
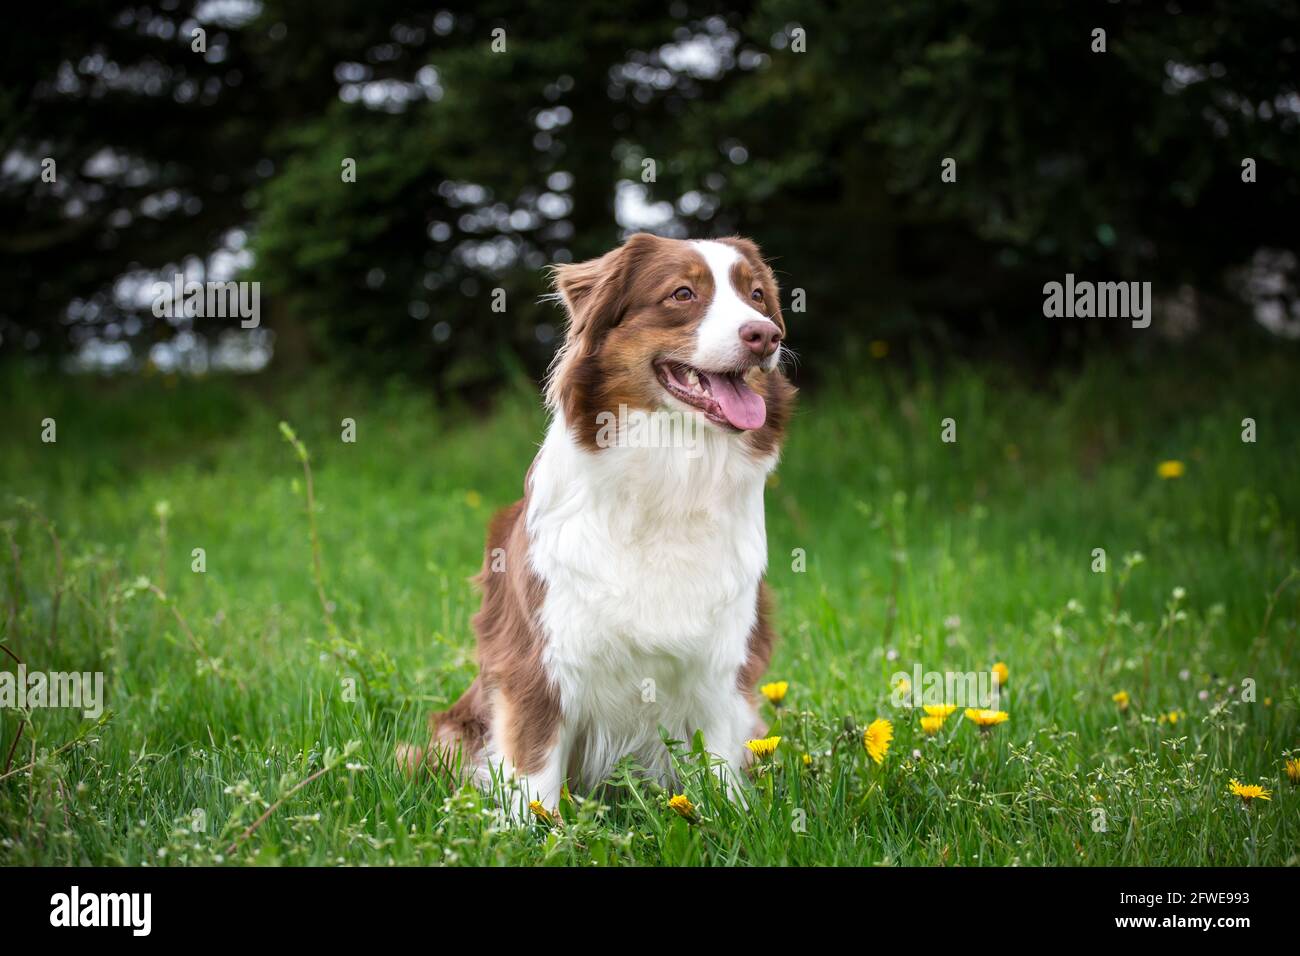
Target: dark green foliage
[[1117, 165]]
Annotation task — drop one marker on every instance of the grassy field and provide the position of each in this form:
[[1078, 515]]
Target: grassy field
[[229, 693]]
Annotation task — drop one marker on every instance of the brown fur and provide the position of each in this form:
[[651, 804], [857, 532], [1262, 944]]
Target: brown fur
[[511, 679], [762, 640]]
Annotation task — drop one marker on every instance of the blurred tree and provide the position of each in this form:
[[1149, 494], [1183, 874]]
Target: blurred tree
[[479, 159], [820, 128], [1125, 164], [154, 145]]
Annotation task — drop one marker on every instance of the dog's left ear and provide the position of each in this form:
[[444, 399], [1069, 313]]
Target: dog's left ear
[[595, 297]]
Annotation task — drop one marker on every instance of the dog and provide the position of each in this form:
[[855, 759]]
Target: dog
[[623, 595]]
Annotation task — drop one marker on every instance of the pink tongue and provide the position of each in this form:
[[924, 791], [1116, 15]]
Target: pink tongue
[[741, 405]]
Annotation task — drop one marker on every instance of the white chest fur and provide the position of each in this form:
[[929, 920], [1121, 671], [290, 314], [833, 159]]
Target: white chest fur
[[651, 558]]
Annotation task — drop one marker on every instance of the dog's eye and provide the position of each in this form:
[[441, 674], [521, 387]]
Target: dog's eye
[[683, 294], [757, 295]]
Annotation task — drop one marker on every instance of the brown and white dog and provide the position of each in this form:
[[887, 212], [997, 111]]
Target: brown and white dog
[[624, 592]]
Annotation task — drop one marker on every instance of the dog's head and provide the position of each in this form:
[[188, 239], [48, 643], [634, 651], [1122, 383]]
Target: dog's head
[[692, 326]]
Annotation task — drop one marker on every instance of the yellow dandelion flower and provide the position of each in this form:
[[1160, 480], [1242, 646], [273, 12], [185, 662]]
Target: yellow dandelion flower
[[877, 738], [473, 499], [984, 719], [1121, 699], [775, 691], [1171, 469], [931, 725], [807, 760], [682, 805], [1170, 718], [942, 711], [1249, 791], [1001, 672], [763, 746], [1293, 770], [539, 811]]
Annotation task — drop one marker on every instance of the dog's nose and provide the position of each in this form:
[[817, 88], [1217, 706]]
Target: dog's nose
[[761, 338]]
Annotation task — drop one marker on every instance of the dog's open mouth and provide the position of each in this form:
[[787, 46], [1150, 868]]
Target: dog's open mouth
[[723, 397]]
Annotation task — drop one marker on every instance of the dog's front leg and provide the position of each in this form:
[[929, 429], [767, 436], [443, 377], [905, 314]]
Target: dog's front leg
[[725, 735], [544, 785], [531, 770]]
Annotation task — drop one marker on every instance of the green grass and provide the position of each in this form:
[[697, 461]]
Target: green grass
[[232, 690]]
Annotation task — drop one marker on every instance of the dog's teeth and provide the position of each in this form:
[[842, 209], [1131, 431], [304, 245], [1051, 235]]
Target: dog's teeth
[[693, 378]]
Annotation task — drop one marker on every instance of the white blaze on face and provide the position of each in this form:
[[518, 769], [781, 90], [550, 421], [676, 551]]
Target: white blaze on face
[[717, 343]]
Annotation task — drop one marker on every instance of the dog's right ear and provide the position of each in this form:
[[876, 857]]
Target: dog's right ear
[[595, 298], [594, 292], [590, 291]]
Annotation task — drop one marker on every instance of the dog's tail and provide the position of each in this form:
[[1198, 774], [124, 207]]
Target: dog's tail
[[455, 739]]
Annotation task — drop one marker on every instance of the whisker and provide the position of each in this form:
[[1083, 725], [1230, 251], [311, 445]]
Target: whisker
[[789, 359]]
